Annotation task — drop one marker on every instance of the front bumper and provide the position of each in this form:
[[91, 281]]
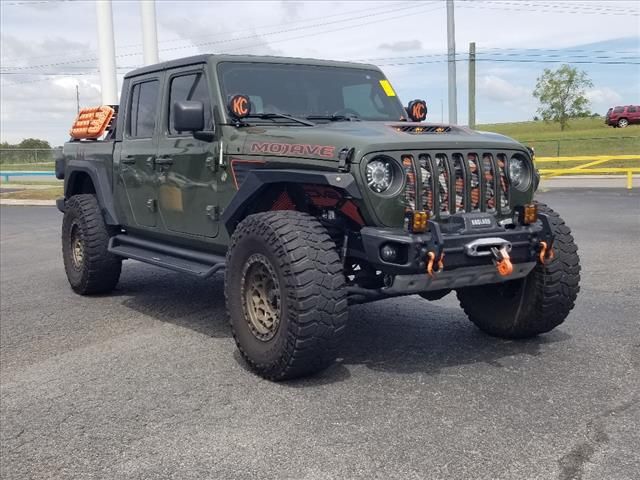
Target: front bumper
[[453, 240]]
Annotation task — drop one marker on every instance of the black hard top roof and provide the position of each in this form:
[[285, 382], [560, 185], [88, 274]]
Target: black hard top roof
[[196, 59]]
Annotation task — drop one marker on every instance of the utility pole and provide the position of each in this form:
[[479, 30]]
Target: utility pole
[[78, 98], [149, 31], [472, 85], [107, 53], [451, 49]]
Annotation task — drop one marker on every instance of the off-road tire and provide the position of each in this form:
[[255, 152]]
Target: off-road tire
[[535, 304], [622, 123], [313, 297], [96, 270]]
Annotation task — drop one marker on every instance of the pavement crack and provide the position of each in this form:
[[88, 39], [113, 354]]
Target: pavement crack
[[572, 463]]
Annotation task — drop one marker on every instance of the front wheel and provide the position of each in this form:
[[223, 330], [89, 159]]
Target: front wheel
[[285, 293], [532, 305]]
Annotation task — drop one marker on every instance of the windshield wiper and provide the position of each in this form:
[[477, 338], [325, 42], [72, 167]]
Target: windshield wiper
[[266, 116], [334, 118]]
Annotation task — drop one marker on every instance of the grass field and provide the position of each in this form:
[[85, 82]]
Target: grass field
[[584, 136], [39, 167], [50, 193]]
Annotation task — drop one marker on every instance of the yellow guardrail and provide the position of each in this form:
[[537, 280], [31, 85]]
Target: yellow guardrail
[[586, 164]]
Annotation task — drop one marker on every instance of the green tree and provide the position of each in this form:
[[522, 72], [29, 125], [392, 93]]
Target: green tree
[[34, 143], [561, 94]]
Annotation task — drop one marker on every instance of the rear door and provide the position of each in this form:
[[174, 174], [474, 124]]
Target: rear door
[[633, 113], [137, 175], [186, 166]]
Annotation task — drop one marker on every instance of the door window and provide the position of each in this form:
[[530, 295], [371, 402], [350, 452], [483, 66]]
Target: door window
[[631, 109], [189, 87], [142, 109]]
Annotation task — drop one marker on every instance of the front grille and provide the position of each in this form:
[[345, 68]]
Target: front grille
[[455, 182]]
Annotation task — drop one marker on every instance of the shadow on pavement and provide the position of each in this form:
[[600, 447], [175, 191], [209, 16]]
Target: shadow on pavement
[[406, 335]]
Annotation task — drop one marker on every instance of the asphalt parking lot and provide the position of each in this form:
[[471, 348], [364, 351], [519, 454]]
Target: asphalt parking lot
[[146, 383]]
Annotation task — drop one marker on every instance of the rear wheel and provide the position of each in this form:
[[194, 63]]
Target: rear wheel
[[535, 304], [623, 122], [89, 266], [286, 295]]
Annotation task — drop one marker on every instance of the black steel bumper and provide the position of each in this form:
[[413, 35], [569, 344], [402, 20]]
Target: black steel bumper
[[455, 240]]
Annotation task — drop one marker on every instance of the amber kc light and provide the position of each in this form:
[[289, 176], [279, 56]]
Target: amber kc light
[[530, 214], [419, 221]]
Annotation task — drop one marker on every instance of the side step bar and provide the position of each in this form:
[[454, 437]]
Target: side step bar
[[167, 256]]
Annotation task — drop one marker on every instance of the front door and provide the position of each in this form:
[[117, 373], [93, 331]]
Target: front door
[[186, 166], [137, 175]]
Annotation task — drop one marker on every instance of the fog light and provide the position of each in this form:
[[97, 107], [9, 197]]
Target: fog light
[[418, 221], [530, 214], [388, 253]]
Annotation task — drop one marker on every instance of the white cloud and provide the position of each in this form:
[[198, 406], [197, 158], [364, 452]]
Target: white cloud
[[604, 96], [500, 90], [402, 45]]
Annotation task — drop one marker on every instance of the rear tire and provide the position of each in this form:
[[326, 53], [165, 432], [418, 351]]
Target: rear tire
[[535, 304], [285, 293], [89, 266], [623, 122]]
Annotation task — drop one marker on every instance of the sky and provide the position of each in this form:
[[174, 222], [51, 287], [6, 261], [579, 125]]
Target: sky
[[49, 47]]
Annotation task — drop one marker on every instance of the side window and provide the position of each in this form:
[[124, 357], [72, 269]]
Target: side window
[[618, 110], [143, 108], [189, 87], [631, 109]]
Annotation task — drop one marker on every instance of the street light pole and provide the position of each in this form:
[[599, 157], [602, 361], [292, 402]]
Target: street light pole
[[451, 49], [149, 32], [107, 53]]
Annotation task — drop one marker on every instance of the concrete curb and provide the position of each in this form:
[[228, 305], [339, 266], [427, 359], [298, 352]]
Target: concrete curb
[[25, 202]]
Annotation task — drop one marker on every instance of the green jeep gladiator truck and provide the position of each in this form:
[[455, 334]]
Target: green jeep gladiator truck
[[311, 187]]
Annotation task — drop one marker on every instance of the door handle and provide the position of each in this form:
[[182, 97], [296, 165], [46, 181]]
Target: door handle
[[164, 160], [129, 159]]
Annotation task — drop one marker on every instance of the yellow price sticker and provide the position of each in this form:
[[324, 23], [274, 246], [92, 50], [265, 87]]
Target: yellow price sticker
[[388, 89]]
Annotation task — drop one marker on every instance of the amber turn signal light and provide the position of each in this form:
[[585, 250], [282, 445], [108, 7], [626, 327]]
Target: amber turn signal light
[[530, 214], [419, 221]]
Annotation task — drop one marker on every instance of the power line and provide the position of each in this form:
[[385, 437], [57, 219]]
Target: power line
[[226, 32], [260, 35], [528, 7]]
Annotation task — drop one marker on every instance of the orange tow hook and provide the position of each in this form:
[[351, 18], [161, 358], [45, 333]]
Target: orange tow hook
[[546, 253], [503, 261], [432, 261]]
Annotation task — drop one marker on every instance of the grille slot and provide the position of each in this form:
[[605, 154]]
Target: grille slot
[[474, 181], [459, 183], [504, 185], [489, 182], [426, 183], [442, 168]]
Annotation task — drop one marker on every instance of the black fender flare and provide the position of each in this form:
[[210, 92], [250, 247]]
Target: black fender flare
[[100, 178], [258, 180]]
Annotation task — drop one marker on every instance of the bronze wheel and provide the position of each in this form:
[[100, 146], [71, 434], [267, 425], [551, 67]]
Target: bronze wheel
[[77, 246], [261, 294]]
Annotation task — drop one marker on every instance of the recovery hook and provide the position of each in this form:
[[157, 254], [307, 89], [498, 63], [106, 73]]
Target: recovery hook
[[546, 253], [432, 261], [502, 261]]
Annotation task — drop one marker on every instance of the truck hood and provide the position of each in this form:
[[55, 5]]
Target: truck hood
[[326, 141]]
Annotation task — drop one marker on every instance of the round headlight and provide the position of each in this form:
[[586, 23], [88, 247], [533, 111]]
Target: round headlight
[[379, 173], [519, 173]]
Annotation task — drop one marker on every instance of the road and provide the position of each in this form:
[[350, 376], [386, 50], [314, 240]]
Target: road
[[146, 383]]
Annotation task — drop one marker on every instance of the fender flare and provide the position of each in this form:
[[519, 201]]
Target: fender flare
[[100, 178], [258, 180]]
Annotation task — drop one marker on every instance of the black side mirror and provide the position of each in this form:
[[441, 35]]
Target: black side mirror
[[188, 116]]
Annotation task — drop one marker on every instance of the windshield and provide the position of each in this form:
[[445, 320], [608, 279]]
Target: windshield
[[324, 93]]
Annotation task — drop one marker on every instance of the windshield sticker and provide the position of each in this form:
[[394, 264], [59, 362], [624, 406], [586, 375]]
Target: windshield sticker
[[325, 151], [388, 89]]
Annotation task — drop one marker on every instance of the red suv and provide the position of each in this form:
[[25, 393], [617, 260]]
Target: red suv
[[623, 116]]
